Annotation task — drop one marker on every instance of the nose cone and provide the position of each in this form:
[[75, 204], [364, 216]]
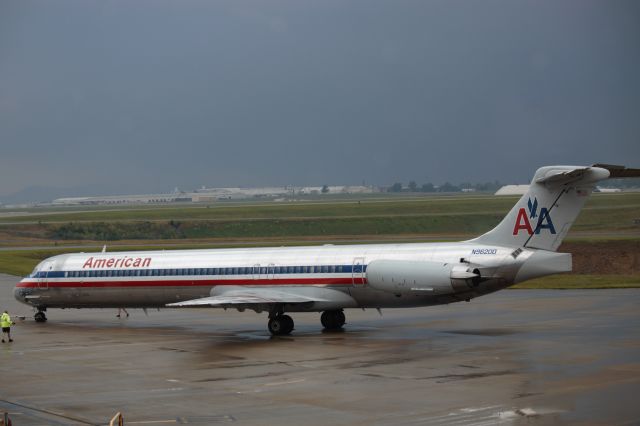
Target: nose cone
[[20, 292]]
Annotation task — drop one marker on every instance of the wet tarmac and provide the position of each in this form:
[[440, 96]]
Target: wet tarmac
[[514, 357]]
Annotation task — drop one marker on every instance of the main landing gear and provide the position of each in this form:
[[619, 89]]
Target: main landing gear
[[332, 320], [40, 316], [281, 324]]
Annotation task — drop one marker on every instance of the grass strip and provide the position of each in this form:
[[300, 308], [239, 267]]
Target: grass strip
[[580, 281]]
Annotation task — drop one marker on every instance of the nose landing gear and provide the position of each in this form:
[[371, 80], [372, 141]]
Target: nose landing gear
[[40, 316]]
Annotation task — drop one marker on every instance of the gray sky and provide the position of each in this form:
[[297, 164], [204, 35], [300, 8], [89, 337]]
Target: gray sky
[[149, 95]]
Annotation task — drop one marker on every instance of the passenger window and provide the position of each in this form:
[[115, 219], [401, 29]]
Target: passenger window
[[332, 269]]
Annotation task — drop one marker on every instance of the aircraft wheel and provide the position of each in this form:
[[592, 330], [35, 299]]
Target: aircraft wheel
[[281, 325], [288, 324], [40, 317], [332, 320]]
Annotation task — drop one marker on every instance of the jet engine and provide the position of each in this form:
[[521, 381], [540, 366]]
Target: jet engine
[[427, 277]]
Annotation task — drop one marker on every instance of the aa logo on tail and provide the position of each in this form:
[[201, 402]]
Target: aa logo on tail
[[523, 221]]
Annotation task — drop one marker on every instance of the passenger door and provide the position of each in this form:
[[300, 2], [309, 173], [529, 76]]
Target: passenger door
[[357, 271]]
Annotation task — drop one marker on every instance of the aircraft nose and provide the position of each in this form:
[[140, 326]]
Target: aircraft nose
[[20, 293]]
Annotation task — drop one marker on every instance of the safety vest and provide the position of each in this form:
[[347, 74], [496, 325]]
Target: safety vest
[[5, 321]]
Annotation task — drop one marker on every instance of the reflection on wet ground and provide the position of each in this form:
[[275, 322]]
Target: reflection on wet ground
[[530, 357]]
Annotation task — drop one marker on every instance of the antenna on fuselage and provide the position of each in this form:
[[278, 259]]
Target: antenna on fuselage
[[104, 248]]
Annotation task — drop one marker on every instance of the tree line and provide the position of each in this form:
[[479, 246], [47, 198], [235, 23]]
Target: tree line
[[445, 187]]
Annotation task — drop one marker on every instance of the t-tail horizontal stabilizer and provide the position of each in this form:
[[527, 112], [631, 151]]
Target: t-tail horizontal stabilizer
[[616, 172], [543, 216]]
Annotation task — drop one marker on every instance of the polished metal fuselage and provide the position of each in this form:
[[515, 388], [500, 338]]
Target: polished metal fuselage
[[54, 283]]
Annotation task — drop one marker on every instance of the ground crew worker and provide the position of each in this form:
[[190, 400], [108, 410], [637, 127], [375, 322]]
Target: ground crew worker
[[5, 323]]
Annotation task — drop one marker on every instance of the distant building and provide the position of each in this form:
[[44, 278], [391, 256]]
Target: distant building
[[513, 190], [600, 189], [207, 195], [125, 199]]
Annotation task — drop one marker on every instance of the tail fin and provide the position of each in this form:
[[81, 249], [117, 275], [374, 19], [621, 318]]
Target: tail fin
[[543, 216]]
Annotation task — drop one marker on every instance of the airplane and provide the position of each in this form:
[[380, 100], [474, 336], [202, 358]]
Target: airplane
[[329, 278]]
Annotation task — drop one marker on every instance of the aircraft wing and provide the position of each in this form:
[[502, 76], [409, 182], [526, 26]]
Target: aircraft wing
[[233, 296]]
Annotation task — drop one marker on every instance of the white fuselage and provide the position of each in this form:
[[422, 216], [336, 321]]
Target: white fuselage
[[157, 278]]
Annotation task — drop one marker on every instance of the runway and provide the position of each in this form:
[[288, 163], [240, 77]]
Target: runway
[[514, 357]]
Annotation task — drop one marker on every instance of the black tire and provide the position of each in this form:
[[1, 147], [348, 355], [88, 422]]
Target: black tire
[[40, 317], [288, 322], [280, 325], [332, 320]]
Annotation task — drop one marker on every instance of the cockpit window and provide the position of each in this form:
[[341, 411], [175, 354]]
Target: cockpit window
[[34, 273]]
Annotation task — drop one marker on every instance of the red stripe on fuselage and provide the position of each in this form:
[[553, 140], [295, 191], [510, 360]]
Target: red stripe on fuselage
[[193, 283]]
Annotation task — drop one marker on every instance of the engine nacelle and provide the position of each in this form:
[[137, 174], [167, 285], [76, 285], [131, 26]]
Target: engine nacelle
[[423, 277]]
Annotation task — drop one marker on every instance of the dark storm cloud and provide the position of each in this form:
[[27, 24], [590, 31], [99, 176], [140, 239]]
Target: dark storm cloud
[[147, 95]]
